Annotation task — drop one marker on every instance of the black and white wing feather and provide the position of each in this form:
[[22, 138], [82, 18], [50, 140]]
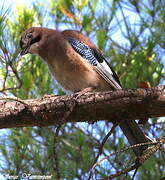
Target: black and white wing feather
[[97, 60]]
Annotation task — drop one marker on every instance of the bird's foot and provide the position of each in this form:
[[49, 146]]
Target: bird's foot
[[47, 96], [84, 91]]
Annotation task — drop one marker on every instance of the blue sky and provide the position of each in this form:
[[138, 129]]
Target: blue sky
[[8, 3], [117, 36]]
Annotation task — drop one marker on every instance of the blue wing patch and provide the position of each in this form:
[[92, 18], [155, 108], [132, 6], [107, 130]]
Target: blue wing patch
[[97, 60], [83, 50]]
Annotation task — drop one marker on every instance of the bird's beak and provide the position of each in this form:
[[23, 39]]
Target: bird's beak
[[24, 47], [24, 50]]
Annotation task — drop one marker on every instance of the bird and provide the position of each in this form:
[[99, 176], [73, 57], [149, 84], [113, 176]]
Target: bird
[[78, 64]]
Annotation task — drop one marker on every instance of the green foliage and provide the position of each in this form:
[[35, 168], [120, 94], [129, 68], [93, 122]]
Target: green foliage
[[135, 48]]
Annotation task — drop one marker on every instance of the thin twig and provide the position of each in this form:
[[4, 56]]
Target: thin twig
[[122, 172], [121, 151], [151, 150], [101, 149], [13, 99], [157, 145], [55, 154]]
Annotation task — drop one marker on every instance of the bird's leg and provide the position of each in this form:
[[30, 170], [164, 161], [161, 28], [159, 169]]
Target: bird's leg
[[47, 96]]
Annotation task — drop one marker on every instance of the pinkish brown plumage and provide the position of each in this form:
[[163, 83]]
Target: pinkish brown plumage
[[76, 63]]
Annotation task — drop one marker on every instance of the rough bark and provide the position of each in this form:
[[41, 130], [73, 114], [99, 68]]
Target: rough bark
[[114, 106]]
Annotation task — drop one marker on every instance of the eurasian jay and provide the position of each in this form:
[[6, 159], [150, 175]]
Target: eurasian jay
[[77, 64]]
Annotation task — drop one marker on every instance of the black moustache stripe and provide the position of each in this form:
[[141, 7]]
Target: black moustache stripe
[[36, 39]]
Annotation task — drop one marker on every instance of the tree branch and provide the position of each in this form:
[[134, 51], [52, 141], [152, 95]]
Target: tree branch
[[114, 106]]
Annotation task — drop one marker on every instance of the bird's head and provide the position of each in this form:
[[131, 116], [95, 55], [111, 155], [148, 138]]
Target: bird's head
[[30, 40]]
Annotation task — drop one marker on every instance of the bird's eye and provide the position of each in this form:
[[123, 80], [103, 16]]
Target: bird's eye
[[29, 36]]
